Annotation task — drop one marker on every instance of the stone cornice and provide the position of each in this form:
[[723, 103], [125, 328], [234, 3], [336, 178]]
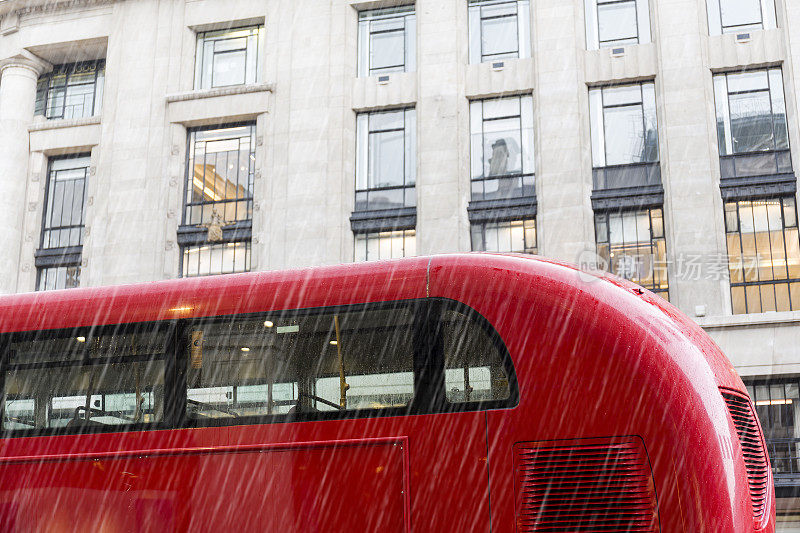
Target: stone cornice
[[24, 8]]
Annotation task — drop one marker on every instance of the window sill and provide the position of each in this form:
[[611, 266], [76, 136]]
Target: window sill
[[219, 91], [42, 124], [752, 319]]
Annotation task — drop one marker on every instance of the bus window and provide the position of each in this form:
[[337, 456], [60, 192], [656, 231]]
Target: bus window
[[300, 363], [84, 378], [474, 370]]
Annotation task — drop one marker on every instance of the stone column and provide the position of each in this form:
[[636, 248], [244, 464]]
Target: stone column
[[18, 75]]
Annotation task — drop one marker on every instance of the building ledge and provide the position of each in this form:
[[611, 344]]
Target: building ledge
[[753, 319], [54, 124], [219, 91]]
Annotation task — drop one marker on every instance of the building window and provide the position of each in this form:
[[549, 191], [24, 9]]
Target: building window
[[624, 126], [222, 258], [217, 219], [228, 57], [777, 403], [751, 113], [59, 256], [386, 165], [71, 91], [518, 236], [616, 23], [220, 174], [730, 16], [502, 157], [386, 245], [498, 30], [386, 41], [631, 243], [763, 255]]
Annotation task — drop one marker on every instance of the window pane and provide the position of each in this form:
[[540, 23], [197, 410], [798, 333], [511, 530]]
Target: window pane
[[227, 57], [617, 21], [222, 258], [294, 363], [740, 12], [386, 245], [499, 36], [387, 50], [624, 135], [751, 122], [51, 378], [474, 369], [386, 157], [221, 170]]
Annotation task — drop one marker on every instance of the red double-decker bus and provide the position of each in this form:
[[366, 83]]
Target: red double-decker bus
[[453, 393]]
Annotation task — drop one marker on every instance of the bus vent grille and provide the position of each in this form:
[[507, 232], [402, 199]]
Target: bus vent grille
[[602, 485], [755, 459]]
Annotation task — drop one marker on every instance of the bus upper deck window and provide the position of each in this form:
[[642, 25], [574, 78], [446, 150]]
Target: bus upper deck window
[[474, 369], [301, 362], [80, 378]]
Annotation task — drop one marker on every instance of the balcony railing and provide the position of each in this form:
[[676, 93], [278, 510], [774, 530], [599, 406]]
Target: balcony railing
[[755, 164], [784, 455], [634, 175]]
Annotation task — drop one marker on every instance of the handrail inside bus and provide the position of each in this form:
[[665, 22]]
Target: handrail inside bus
[[214, 407]]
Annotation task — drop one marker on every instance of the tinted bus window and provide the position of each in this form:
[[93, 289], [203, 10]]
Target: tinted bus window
[[474, 366], [301, 363], [83, 378]]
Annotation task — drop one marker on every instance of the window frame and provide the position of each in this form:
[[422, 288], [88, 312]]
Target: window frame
[[200, 74], [243, 224], [527, 144], [68, 256], [597, 121], [476, 29], [716, 26], [406, 234], [643, 28], [365, 50], [759, 283], [170, 346], [428, 366], [603, 238], [481, 226], [43, 89], [363, 175], [776, 94]]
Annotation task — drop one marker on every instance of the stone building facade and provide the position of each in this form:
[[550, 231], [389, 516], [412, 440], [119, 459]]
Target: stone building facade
[[656, 139]]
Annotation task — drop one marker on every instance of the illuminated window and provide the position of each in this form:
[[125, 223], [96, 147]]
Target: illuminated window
[[71, 91], [763, 255], [509, 236], [386, 245], [386, 41], [777, 404], [222, 258], [386, 160], [632, 245], [498, 30], [59, 256], [502, 157], [729, 16], [220, 172], [616, 23], [228, 57], [219, 195]]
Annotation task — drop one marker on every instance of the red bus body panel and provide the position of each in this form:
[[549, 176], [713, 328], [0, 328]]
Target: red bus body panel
[[594, 358]]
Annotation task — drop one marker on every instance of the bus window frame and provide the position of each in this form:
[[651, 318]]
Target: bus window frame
[[427, 363], [168, 327]]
